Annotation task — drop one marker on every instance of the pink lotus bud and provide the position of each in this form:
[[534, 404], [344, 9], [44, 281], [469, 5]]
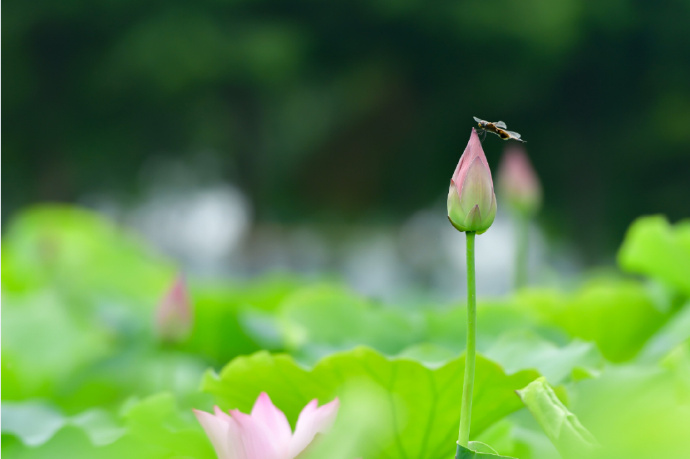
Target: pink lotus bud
[[174, 314], [265, 433], [471, 198], [518, 184]]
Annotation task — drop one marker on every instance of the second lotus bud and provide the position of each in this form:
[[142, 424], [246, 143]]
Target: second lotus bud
[[518, 183]]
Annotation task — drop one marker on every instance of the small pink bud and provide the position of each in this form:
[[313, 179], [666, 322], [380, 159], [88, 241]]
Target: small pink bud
[[265, 433], [174, 314], [518, 184], [471, 198]]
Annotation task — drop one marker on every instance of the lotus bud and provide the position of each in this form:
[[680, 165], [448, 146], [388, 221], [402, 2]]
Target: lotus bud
[[518, 184], [174, 313], [471, 198]]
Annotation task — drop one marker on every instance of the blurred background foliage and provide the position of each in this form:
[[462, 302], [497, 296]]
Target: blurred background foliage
[[349, 110]]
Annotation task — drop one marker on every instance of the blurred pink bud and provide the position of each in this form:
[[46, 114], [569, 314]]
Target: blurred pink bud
[[517, 182], [265, 433], [174, 314], [471, 198]]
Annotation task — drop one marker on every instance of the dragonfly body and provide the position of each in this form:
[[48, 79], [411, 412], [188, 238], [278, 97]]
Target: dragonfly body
[[499, 128]]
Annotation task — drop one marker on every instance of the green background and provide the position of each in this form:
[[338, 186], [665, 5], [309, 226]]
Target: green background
[[352, 110]]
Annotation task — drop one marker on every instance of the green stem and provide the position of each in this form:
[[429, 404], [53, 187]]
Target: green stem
[[521, 255], [468, 382]]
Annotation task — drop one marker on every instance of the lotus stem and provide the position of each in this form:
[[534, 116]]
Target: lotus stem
[[468, 381]]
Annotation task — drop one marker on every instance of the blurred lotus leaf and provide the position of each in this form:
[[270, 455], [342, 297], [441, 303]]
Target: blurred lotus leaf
[[421, 405], [655, 248], [618, 315]]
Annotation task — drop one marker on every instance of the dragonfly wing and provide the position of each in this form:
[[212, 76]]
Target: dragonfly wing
[[514, 135], [478, 120], [500, 124]]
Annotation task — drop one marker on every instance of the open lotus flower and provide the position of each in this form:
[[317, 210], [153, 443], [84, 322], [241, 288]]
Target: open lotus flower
[[518, 184], [471, 198], [174, 313], [265, 433]]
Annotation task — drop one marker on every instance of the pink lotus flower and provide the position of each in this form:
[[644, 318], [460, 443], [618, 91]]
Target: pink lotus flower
[[266, 433], [517, 181], [471, 198], [174, 313]]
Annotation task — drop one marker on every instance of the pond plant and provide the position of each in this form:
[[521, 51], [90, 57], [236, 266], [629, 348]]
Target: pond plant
[[265, 433], [107, 352], [520, 190], [471, 209]]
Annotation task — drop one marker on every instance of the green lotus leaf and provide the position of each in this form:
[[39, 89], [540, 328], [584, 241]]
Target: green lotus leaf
[[418, 408]]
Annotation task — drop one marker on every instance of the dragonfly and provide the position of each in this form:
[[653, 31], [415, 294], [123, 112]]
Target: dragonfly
[[499, 128]]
